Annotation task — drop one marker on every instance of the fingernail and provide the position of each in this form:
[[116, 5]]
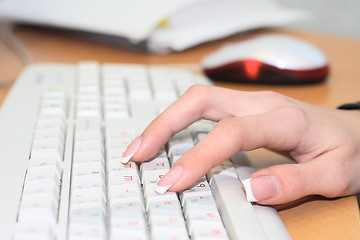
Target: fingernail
[[168, 180], [260, 188], [131, 150], [162, 190]]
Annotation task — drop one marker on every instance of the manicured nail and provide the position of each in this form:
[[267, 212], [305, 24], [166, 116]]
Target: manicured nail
[[162, 190], [131, 150], [260, 188], [168, 180]]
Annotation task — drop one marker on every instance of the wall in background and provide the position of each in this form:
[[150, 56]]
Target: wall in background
[[329, 16]]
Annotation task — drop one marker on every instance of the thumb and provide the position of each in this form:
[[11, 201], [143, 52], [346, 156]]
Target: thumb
[[288, 182]]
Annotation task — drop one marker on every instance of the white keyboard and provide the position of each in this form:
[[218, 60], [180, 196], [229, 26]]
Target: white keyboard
[[63, 131]]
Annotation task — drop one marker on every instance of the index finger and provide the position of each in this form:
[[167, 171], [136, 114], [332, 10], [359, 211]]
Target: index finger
[[203, 102]]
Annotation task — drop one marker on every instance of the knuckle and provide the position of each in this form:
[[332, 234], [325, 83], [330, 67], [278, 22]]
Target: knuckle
[[339, 189], [294, 114], [197, 90], [339, 178], [296, 180], [277, 99], [228, 125], [274, 96], [232, 127], [199, 94]]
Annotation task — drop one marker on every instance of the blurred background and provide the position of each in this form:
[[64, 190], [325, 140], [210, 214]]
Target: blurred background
[[329, 16]]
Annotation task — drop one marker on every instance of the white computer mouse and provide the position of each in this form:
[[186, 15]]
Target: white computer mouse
[[273, 59]]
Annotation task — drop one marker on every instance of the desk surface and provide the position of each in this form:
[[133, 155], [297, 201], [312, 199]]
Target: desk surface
[[310, 218]]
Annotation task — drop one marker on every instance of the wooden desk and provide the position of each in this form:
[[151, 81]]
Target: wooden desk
[[309, 218]]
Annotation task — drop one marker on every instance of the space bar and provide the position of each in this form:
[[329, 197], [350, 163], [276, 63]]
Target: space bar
[[238, 215]]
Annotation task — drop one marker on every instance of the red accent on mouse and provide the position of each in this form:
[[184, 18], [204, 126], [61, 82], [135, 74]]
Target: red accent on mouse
[[253, 71]]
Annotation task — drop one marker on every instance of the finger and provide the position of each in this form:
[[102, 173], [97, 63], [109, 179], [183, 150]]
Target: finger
[[284, 183], [280, 130], [203, 102], [186, 110]]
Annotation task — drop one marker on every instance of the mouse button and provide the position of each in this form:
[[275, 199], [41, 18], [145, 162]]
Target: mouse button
[[296, 58], [294, 50], [309, 53], [287, 61], [224, 55], [279, 58]]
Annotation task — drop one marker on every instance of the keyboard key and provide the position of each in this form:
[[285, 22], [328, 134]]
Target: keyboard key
[[120, 133], [151, 196], [89, 156], [224, 186], [40, 208], [153, 177], [205, 231], [88, 168], [161, 232], [88, 181], [43, 172], [127, 207], [128, 233], [121, 177], [205, 202], [121, 142], [55, 132], [87, 224], [33, 231], [88, 195], [132, 221], [143, 109], [92, 121], [201, 188], [164, 208], [41, 186], [45, 162], [117, 165], [89, 145], [94, 134], [159, 163], [180, 143], [129, 190]]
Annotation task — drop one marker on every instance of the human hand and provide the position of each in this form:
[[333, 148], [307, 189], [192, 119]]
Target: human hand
[[324, 142]]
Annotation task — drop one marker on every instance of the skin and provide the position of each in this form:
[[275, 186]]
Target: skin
[[324, 142]]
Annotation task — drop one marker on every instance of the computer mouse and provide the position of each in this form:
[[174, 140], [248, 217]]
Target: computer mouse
[[268, 59]]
